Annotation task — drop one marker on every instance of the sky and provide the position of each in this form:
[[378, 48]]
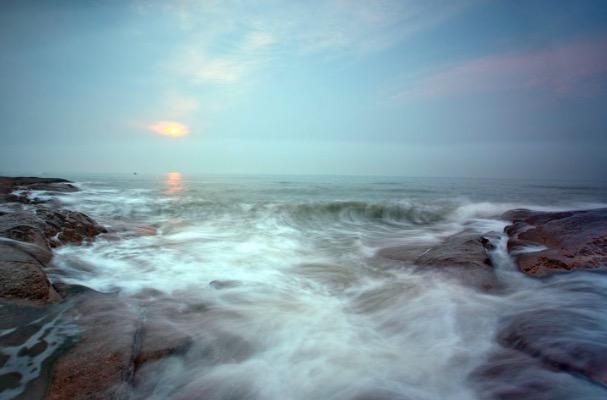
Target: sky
[[472, 88]]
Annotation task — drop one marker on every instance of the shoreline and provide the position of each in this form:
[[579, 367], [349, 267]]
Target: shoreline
[[89, 363], [94, 363]]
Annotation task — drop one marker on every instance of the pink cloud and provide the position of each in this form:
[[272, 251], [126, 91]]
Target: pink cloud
[[568, 69]]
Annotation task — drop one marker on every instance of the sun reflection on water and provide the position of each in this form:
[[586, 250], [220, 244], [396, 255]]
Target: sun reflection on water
[[173, 182]]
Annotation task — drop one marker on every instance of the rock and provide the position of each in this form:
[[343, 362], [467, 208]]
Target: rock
[[512, 375], [460, 250], [10, 184], [407, 253], [552, 336], [160, 339], [100, 363], [52, 187], [561, 329], [64, 226], [49, 228], [21, 274], [24, 226], [104, 362], [463, 255], [32, 336], [570, 240], [30, 180], [224, 284]]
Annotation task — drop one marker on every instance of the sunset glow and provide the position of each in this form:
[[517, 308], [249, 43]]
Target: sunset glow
[[174, 182], [170, 128]]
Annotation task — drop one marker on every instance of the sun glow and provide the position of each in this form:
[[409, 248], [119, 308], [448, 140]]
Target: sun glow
[[174, 182], [171, 129]]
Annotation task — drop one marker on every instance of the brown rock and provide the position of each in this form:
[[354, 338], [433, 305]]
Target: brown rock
[[460, 250], [49, 228], [10, 184], [21, 274], [99, 365], [463, 255], [160, 339], [572, 240]]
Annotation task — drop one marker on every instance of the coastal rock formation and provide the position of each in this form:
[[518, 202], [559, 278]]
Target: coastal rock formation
[[463, 255], [103, 362], [99, 363], [47, 227], [562, 241], [21, 273], [547, 335], [27, 234], [27, 184]]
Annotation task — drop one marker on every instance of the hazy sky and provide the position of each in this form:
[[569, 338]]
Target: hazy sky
[[416, 88]]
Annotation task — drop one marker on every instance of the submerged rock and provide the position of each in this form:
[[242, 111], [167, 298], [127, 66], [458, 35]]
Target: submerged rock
[[98, 365], [463, 255], [224, 284], [115, 341], [553, 337], [569, 240], [461, 250], [160, 339]]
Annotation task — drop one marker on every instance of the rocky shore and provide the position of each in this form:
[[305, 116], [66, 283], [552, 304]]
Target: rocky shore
[[76, 343], [559, 241], [545, 245]]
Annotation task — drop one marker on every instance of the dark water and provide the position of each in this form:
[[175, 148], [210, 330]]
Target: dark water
[[305, 310]]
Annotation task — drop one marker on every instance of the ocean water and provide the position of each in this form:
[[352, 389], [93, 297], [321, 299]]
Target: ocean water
[[278, 282]]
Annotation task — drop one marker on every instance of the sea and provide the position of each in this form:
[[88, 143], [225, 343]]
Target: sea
[[279, 283]]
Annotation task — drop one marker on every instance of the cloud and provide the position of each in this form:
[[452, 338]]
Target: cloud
[[178, 105], [258, 40], [225, 44], [220, 51], [201, 65], [569, 69], [363, 27]]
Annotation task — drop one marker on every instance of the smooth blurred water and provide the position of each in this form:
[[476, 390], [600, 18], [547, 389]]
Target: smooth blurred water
[[279, 284]]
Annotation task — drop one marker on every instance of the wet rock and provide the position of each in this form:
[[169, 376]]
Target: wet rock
[[116, 340], [224, 284], [23, 226], [553, 337], [512, 375], [49, 227], [463, 255], [407, 254], [160, 339], [570, 240], [99, 364], [10, 184], [64, 226], [52, 187], [460, 250], [21, 274]]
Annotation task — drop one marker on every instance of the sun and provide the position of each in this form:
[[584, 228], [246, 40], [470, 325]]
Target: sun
[[170, 129]]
